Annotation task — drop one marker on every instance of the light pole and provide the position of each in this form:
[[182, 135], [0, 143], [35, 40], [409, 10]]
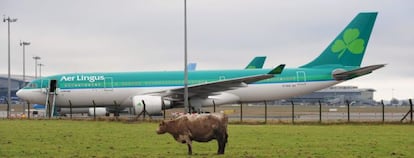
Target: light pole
[[36, 58], [187, 107], [9, 20], [23, 44], [40, 69]]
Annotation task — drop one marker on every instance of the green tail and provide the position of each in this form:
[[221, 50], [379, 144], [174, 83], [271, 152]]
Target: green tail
[[349, 46], [256, 63]]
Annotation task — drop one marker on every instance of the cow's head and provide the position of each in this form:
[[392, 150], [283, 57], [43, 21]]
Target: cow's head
[[162, 128]]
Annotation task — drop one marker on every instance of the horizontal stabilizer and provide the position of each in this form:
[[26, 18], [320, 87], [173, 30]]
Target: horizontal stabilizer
[[356, 73]]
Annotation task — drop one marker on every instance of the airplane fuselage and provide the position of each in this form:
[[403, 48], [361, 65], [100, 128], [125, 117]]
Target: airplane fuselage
[[82, 89]]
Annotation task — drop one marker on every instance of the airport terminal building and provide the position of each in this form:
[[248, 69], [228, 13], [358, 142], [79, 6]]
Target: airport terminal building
[[338, 95], [16, 83]]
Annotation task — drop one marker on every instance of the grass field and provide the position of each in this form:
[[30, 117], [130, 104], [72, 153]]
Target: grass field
[[65, 138]]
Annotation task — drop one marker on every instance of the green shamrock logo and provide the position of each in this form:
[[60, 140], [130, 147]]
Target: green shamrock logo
[[350, 42]]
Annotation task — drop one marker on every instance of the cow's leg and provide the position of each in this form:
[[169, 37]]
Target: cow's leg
[[190, 149], [223, 146], [221, 140], [220, 146], [226, 137]]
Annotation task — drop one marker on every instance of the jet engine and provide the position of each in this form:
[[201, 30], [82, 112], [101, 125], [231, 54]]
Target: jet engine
[[153, 104], [98, 111]]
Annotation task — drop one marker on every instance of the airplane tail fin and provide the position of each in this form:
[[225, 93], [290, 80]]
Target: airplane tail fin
[[256, 63], [349, 46], [191, 66]]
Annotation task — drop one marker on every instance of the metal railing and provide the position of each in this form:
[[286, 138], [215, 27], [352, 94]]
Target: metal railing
[[266, 112]]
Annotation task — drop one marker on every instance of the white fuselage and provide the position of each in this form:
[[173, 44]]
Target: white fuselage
[[123, 96]]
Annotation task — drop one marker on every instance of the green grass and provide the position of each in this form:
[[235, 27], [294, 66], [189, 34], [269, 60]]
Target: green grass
[[65, 138]]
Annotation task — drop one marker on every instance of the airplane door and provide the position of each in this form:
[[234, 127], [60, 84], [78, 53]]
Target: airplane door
[[109, 84], [52, 85], [301, 77]]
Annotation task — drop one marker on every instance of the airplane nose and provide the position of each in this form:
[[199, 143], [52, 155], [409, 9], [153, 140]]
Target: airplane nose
[[21, 94]]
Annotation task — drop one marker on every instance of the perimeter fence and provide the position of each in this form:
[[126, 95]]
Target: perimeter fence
[[319, 112], [260, 112]]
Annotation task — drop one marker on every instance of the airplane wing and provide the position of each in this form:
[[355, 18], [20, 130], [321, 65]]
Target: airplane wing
[[357, 72], [212, 88]]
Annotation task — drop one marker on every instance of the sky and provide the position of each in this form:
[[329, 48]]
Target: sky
[[148, 35]]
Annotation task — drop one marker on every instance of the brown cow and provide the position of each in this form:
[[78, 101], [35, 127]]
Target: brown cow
[[198, 127]]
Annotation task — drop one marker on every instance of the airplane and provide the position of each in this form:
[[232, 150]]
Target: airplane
[[158, 90], [256, 63], [38, 106]]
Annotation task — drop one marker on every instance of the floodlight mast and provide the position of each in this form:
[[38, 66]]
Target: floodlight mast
[[187, 107], [36, 58], [23, 44], [9, 20], [40, 69]]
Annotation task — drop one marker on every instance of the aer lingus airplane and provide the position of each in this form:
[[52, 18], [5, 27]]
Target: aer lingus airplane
[[339, 62]]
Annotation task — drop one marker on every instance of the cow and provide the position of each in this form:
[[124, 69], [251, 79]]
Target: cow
[[197, 127]]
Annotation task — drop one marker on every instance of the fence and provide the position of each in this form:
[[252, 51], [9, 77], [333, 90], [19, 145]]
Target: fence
[[264, 112], [295, 112]]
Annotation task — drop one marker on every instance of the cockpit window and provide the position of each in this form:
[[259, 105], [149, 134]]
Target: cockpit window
[[31, 85], [34, 85]]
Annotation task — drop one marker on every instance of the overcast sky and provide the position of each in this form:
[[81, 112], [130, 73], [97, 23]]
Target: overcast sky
[[147, 35]]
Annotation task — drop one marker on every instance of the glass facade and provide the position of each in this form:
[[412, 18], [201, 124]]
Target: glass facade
[[338, 95]]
